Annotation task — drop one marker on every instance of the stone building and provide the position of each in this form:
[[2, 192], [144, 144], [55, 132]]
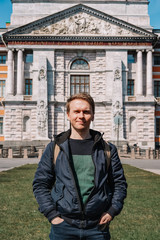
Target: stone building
[[52, 49]]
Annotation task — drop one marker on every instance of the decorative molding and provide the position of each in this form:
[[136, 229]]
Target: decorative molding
[[89, 42], [78, 39]]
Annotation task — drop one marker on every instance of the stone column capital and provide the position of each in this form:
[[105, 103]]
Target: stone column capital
[[149, 50], [19, 49], [10, 49], [139, 50]]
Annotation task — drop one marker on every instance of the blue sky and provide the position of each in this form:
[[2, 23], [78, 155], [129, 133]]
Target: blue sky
[[154, 12]]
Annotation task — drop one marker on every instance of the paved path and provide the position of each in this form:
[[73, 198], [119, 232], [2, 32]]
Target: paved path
[[148, 165], [7, 163]]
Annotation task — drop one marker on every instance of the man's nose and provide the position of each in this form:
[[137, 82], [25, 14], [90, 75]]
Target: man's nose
[[81, 114]]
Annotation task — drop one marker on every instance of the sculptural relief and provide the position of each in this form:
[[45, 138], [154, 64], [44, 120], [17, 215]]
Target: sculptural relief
[[42, 74], [117, 109], [42, 118], [117, 74], [118, 118], [83, 23]]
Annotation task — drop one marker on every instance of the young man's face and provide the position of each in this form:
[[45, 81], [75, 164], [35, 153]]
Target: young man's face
[[80, 115]]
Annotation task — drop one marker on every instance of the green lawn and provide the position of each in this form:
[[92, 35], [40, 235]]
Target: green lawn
[[20, 219]]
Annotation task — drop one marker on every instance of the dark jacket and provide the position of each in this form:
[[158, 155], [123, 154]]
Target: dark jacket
[[55, 186]]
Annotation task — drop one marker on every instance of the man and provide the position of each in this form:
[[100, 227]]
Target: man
[[77, 193]]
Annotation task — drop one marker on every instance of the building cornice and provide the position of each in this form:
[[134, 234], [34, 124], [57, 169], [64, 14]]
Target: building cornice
[[78, 39]]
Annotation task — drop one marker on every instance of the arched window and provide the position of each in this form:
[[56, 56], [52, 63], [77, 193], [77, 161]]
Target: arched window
[[79, 82], [79, 64], [132, 125], [26, 124]]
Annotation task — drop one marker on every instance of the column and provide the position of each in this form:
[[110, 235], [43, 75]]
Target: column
[[10, 78], [20, 73], [139, 74], [149, 73]]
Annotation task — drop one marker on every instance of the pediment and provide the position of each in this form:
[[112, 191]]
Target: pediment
[[79, 21]]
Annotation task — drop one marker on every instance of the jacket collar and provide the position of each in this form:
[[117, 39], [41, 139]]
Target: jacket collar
[[62, 137]]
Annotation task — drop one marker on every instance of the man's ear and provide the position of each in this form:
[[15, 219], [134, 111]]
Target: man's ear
[[68, 117], [92, 118]]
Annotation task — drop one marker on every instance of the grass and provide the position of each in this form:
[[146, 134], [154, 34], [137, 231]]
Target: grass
[[20, 219], [140, 218]]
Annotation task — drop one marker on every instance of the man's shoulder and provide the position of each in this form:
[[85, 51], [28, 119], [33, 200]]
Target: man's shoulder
[[61, 137]]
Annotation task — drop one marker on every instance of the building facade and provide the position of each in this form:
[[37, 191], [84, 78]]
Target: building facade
[[53, 49]]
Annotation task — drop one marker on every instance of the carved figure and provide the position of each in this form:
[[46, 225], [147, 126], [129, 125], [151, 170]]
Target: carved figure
[[107, 28], [42, 74], [117, 112], [117, 109], [80, 24], [117, 75], [41, 118], [119, 31]]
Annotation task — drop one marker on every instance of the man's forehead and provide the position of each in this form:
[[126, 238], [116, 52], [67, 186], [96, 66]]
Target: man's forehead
[[79, 103]]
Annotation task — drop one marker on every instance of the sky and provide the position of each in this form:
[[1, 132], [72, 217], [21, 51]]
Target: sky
[[154, 12]]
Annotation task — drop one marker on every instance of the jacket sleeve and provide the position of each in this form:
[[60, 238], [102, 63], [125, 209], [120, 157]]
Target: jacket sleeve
[[43, 183], [117, 182]]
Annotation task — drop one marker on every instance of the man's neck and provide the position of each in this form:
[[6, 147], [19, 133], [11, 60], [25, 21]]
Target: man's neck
[[80, 135]]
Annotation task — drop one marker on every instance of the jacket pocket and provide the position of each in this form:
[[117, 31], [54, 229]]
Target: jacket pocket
[[57, 193]]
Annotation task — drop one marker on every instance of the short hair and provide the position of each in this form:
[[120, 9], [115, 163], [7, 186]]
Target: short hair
[[84, 96]]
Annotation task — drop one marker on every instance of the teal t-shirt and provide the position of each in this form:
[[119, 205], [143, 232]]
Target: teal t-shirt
[[83, 166]]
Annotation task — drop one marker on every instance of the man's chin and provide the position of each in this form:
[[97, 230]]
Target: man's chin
[[81, 128]]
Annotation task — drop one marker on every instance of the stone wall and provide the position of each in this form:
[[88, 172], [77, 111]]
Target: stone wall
[[139, 125]]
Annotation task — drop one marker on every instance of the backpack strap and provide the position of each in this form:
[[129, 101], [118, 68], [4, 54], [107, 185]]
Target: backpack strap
[[107, 153], [55, 153]]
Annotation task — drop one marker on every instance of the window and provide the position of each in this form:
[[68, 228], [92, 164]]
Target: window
[[130, 87], [1, 125], [157, 88], [2, 59], [157, 126], [80, 64], [156, 60], [79, 83], [131, 57], [29, 57], [28, 87]]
